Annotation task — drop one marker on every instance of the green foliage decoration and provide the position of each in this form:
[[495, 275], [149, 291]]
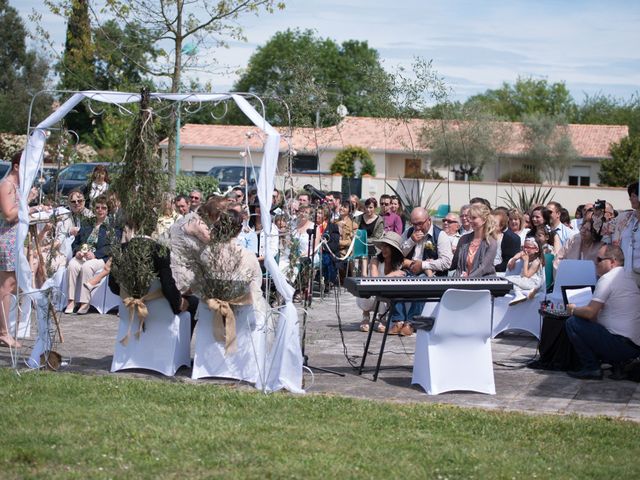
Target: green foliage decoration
[[623, 167], [132, 267], [345, 162], [187, 183], [523, 199]]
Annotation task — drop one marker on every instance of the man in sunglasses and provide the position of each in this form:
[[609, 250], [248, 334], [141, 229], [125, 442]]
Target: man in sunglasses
[[608, 328], [451, 226], [196, 199]]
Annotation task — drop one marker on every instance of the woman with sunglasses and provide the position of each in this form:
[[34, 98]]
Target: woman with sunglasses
[[91, 249]]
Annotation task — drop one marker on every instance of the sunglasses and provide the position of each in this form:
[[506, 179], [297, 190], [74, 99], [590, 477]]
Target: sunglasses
[[100, 207], [76, 202], [386, 204], [194, 197], [449, 221], [602, 259]]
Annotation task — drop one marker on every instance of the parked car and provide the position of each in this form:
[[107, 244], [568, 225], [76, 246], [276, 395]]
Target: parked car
[[230, 176], [4, 168], [74, 176]]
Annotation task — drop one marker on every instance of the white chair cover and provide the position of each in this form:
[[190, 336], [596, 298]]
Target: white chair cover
[[210, 359], [522, 316], [164, 344], [456, 353], [103, 299], [572, 272]]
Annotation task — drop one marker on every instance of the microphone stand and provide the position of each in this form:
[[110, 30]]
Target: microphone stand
[[308, 297]]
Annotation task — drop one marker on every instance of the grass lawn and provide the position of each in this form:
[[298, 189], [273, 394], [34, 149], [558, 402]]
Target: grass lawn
[[70, 426]]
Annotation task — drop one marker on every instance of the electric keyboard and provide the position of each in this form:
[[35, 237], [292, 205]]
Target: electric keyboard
[[422, 287]]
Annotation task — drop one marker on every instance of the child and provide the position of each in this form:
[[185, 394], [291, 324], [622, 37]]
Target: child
[[525, 271]]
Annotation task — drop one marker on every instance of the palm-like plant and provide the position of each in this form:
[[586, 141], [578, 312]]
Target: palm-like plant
[[523, 200]]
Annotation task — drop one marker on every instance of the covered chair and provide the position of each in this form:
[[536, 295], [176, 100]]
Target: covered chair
[[572, 272], [164, 344], [103, 299], [456, 353]]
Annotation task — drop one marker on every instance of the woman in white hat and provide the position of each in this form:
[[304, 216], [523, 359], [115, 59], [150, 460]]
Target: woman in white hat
[[387, 263]]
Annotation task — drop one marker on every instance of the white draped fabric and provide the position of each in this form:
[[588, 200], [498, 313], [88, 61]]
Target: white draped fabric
[[284, 360]]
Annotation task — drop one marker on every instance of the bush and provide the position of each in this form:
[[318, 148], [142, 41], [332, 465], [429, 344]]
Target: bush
[[520, 176], [431, 174], [206, 184], [345, 161]]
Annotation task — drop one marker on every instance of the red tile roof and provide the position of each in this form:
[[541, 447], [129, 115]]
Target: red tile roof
[[383, 134]]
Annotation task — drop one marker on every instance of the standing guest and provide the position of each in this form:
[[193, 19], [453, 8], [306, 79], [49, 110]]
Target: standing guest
[[303, 199], [239, 194], [584, 246], [392, 222], [388, 263], [91, 250], [476, 251], [396, 207], [451, 226], [373, 224], [509, 243], [627, 233], [357, 208], [167, 217], [9, 206], [252, 196], [347, 227], [465, 223], [561, 230], [565, 218], [182, 205], [577, 220], [542, 216], [427, 252], [329, 233], [517, 224], [195, 198], [262, 237], [277, 201], [99, 183], [608, 328], [334, 206]]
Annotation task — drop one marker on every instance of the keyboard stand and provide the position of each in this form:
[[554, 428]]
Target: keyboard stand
[[386, 330]]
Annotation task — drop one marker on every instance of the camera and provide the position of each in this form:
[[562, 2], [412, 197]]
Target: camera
[[599, 205]]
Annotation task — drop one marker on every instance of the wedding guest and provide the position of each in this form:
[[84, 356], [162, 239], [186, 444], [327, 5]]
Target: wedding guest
[[627, 234], [517, 224], [451, 226], [396, 207], [373, 224], [347, 227], [91, 249], [167, 217], [392, 222], [584, 246], [540, 215], [99, 183], [182, 205], [195, 198], [476, 251], [465, 223]]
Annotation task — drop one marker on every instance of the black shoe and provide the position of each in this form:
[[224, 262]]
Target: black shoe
[[618, 373], [586, 374]]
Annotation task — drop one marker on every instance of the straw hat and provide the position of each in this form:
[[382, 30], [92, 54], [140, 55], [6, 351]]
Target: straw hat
[[390, 238]]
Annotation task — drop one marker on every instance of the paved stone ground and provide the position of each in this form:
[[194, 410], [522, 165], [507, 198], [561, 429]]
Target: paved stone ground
[[89, 344]]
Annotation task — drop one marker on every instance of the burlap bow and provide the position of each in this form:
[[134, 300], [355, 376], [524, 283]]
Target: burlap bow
[[224, 320], [139, 306]]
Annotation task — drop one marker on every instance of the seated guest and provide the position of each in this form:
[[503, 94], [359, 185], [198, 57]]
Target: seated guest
[[392, 221], [167, 217], [388, 263], [476, 251], [584, 246], [525, 270], [509, 243], [328, 232], [541, 216], [608, 328], [517, 224], [69, 226], [465, 224], [427, 252], [91, 249], [451, 226]]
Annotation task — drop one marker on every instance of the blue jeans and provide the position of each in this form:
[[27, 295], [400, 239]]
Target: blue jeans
[[400, 313], [595, 344], [329, 271]]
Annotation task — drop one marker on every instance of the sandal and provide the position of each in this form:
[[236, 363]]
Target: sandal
[[364, 326], [10, 342], [380, 327]]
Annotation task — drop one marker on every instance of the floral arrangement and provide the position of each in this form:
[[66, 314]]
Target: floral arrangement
[[429, 245]]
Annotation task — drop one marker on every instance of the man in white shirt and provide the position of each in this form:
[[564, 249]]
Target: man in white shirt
[[563, 232], [608, 329], [451, 226]]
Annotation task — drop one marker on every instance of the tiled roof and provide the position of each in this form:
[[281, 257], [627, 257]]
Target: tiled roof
[[380, 134]]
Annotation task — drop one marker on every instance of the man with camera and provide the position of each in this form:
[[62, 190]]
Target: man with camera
[[608, 328]]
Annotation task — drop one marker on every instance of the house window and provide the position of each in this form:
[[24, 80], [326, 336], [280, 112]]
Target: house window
[[412, 167], [580, 176], [304, 163], [529, 168]]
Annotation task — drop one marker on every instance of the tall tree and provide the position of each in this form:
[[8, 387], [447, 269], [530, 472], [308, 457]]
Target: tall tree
[[293, 60], [527, 96], [623, 167], [603, 109], [548, 145], [22, 74]]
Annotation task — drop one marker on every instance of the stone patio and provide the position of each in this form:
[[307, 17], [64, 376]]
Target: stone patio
[[89, 342]]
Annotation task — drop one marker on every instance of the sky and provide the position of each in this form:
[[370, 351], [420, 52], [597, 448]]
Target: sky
[[591, 45]]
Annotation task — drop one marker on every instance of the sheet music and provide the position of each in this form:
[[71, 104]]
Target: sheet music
[[580, 297]]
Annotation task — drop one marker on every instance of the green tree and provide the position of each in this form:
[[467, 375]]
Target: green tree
[[22, 74], [291, 61], [623, 167], [345, 162], [606, 110], [526, 97], [548, 145], [465, 142]]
